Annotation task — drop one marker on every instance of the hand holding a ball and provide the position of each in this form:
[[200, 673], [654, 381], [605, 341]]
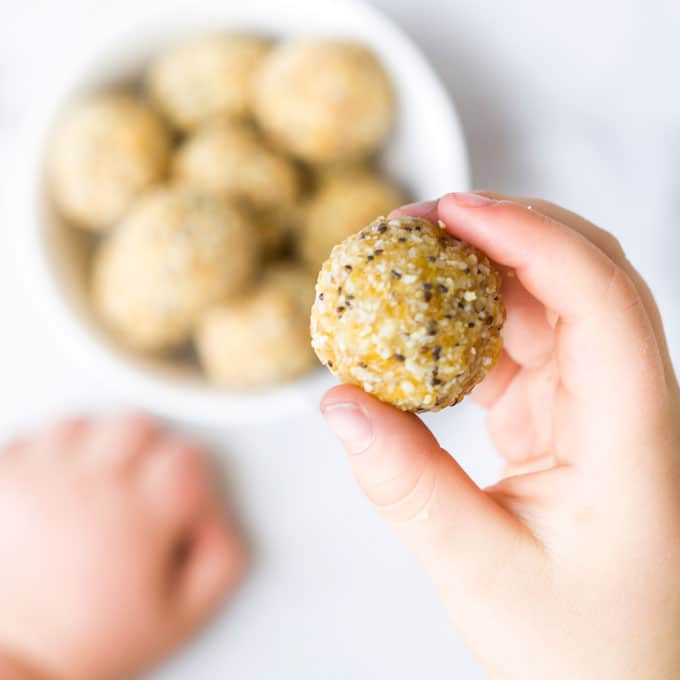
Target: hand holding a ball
[[569, 567]]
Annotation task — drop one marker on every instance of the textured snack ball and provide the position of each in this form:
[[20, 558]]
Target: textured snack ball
[[205, 77], [345, 202], [105, 151], [262, 339], [229, 158], [408, 313], [177, 252], [323, 100]]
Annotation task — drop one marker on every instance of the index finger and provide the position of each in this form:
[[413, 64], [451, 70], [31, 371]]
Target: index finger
[[609, 245], [605, 337]]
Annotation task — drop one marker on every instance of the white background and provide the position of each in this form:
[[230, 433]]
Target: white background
[[578, 102]]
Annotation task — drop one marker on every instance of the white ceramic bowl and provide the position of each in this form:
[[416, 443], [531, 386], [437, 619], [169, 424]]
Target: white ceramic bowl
[[426, 154]]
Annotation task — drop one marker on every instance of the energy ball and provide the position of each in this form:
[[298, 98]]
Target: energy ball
[[206, 77], [177, 252], [323, 100], [229, 158], [344, 203], [105, 151], [408, 313], [262, 339]]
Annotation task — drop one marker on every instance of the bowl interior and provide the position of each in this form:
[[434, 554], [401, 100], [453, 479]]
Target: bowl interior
[[425, 154]]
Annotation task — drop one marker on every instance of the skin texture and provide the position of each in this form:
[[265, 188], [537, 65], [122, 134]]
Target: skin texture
[[574, 555], [120, 549]]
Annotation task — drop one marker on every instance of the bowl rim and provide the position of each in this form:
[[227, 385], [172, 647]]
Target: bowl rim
[[204, 404]]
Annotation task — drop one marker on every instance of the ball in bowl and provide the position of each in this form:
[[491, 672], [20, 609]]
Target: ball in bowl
[[346, 201], [408, 313], [263, 338], [226, 157], [205, 77], [105, 150], [176, 252], [324, 101]]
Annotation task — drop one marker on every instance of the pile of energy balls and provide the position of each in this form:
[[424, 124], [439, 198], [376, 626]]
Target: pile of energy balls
[[214, 192]]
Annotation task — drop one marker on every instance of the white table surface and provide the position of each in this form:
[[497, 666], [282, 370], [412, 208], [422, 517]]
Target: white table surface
[[578, 102]]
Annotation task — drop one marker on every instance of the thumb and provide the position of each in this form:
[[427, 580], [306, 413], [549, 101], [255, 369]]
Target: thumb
[[451, 525]]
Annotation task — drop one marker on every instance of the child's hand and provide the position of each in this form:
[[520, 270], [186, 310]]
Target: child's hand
[[570, 566], [114, 549]]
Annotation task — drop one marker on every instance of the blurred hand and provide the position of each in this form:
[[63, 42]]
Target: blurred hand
[[569, 567], [114, 549]]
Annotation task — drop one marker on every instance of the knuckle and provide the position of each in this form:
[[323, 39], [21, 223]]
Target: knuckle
[[406, 497], [131, 419], [68, 428], [184, 466], [610, 244], [191, 460], [620, 291]]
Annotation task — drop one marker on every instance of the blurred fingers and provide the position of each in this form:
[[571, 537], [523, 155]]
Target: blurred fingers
[[62, 436], [116, 442], [176, 483], [214, 566]]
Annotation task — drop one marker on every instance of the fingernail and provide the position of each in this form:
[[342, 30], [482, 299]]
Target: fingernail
[[469, 200], [350, 424], [419, 209]]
